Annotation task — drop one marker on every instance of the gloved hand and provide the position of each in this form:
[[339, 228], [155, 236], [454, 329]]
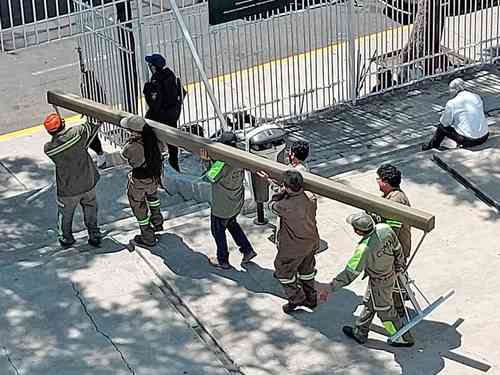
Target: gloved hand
[[376, 217], [282, 194]]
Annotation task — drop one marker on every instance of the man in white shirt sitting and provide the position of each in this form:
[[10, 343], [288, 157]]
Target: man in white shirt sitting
[[463, 119]]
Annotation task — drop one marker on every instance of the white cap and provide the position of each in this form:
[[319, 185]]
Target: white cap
[[134, 123], [457, 85]]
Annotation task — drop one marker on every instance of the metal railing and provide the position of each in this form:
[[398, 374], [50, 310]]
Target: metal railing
[[27, 23], [238, 158], [276, 66], [290, 63]]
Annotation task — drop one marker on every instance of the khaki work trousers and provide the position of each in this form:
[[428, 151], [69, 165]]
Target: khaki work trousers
[[143, 198], [378, 300], [66, 207], [296, 275]]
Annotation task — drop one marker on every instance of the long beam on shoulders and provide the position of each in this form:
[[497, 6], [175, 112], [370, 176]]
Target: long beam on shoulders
[[239, 158]]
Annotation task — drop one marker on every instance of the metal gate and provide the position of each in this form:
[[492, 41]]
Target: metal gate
[[305, 58], [108, 62], [280, 65], [422, 39]]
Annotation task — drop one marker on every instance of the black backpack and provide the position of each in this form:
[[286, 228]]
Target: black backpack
[[172, 92]]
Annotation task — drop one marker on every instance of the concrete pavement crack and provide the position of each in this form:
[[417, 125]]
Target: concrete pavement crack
[[96, 327], [6, 353]]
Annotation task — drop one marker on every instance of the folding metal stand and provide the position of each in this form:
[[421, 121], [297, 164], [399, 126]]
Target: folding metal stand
[[406, 285]]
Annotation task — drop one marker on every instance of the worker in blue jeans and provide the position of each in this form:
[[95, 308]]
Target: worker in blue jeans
[[228, 195]]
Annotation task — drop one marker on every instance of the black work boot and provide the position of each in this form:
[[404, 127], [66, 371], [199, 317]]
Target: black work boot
[[95, 242], [158, 228], [95, 237], [65, 244], [401, 343], [289, 308], [147, 236], [349, 332]]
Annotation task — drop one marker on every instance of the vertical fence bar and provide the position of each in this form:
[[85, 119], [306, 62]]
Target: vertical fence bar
[[229, 73], [258, 66], [272, 59], [23, 22], [240, 60], [197, 96], [331, 43], [303, 52], [351, 51], [289, 59], [2, 46], [235, 94], [296, 61], [324, 54], [11, 20], [315, 64], [215, 78]]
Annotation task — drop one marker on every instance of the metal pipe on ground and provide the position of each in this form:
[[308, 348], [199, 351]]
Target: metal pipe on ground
[[239, 158]]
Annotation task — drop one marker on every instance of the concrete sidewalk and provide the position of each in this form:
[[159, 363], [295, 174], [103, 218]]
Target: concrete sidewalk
[[242, 307], [166, 311]]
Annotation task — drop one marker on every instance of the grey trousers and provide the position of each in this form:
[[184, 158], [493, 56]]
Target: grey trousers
[[378, 300], [66, 207]]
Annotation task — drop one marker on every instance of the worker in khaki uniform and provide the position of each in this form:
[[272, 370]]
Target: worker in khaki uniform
[[76, 176], [143, 154], [297, 242], [389, 181], [379, 255], [297, 155]]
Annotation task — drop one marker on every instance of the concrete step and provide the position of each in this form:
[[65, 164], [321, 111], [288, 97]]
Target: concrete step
[[30, 218]]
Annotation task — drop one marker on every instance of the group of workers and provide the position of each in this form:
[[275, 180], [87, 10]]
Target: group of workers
[[381, 253]]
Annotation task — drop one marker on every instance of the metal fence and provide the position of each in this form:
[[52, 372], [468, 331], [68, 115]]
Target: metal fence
[[276, 66], [26, 23], [422, 39], [272, 68], [302, 59]]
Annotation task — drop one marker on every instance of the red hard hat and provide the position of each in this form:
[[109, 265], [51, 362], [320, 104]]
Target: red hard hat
[[52, 122]]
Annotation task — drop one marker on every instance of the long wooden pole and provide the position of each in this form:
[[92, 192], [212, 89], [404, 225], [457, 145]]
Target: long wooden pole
[[239, 158]]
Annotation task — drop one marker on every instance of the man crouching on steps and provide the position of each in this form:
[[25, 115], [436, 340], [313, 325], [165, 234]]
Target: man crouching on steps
[[297, 242]]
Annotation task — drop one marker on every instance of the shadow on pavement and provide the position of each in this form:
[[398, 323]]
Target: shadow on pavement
[[186, 262], [59, 314]]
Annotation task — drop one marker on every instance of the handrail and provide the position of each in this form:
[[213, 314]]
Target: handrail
[[239, 158]]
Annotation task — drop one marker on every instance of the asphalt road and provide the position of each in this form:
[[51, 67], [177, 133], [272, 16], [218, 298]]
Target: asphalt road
[[25, 77]]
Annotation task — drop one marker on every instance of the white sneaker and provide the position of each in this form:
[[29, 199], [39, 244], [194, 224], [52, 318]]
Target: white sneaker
[[101, 161]]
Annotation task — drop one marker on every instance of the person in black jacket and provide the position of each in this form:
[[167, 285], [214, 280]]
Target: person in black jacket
[[164, 95], [91, 89]]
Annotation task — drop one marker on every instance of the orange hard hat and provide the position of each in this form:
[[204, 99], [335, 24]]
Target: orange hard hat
[[52, 122]]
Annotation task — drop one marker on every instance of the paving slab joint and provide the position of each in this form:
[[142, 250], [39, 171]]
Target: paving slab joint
[[11, 362], [191, 319], [96, 327], [466, 183]]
